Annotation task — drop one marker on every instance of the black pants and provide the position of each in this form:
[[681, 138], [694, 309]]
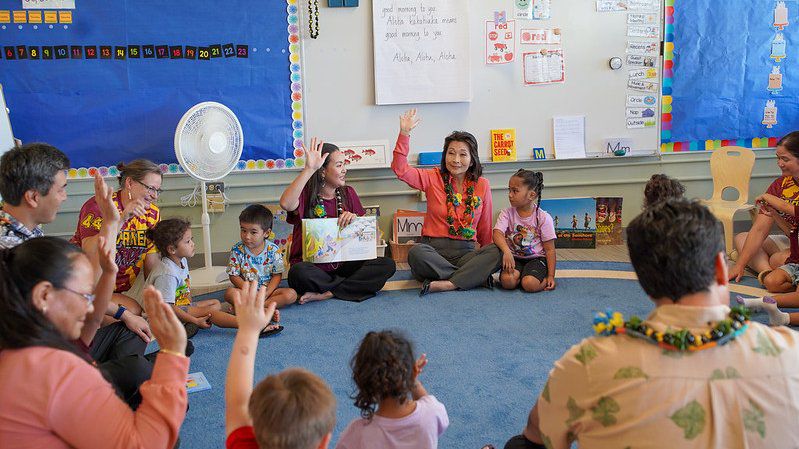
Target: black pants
[[120, 354], [520, 442], [351, 281]]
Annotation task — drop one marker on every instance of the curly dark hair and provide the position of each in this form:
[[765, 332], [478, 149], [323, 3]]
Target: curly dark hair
[[382, 368], [661, 187], [168, 232]]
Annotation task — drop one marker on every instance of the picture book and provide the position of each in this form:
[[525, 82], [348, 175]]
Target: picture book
[[503, 145], [197, 382], [324, 242], [574, 220]]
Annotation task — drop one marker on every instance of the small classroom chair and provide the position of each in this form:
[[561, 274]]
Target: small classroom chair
[[731, 168]]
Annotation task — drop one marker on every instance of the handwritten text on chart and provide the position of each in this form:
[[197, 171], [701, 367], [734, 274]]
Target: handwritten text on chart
[[416, 23]]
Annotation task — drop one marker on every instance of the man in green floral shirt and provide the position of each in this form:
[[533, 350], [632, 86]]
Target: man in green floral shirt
[[694, 374]]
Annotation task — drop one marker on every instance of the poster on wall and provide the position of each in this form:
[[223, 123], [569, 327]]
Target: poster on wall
[[500, 42], [421, 51], [109, 81]]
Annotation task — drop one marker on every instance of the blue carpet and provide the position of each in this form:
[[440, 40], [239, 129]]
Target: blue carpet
[[489, 351]]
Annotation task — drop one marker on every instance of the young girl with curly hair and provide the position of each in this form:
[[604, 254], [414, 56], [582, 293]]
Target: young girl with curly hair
[[396, 411]]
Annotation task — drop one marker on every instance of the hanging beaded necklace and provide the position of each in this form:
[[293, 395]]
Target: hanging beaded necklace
[[319, 209], [465, 228], [313, 18], [737, 322]]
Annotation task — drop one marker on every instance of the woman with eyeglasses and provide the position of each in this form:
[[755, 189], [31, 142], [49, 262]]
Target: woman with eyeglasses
[[51, 394], [140, 186]]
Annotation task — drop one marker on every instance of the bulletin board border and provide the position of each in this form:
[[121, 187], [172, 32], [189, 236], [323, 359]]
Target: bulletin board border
[[666, 143], [297, 113]]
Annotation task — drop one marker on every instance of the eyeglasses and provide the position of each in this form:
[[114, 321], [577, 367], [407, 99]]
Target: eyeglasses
[[87, 296], [151, 189]]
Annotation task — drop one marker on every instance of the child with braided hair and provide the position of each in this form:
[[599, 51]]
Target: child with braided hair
[[526, 236]]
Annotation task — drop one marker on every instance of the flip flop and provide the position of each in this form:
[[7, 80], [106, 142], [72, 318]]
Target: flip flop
[[267, 332], [425, 287]]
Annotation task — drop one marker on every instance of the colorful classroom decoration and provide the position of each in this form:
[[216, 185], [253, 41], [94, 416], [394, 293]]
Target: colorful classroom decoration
[[500, 41], [108, 81], [720, 89]]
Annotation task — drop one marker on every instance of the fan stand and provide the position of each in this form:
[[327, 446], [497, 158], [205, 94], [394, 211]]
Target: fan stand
[[209, 275]]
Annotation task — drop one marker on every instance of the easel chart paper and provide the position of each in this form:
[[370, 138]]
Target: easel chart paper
[[421, 51]]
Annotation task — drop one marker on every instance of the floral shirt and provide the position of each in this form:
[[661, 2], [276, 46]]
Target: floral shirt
[[251, 266], [619, 391], [12, 232]]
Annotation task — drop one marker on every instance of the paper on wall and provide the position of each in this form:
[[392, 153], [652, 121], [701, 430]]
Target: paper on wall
[[569, 136], [636, 18], [643, 48], [651, 31], [640, 112], [642, 74], [642, 5], [421, 51], [540, 68], [541, 9], [637, 101], [539, 36], [611, 5], [641, 60], [523, 9], [642, 85], [500, 42], [636, 123]]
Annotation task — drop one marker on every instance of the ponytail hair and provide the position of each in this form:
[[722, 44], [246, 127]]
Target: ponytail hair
[[534, 180], [42, 259]]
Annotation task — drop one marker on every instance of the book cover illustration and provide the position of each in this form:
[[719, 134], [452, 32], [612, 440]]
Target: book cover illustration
[[324, 242], [197, 382], [503, 145]]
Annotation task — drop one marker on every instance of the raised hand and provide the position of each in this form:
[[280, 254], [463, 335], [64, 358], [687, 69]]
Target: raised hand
[[313, 155], [250, 312], [408, 121], [166, 327]]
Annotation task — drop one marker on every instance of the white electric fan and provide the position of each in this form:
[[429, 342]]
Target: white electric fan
[[208, 144]]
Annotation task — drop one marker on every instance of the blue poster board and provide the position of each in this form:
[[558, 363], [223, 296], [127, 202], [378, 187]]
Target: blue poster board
[[109, 81], [731, 73]]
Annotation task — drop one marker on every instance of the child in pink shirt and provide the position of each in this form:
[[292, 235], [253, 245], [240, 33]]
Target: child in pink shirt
[[396, 411], [526, 236]]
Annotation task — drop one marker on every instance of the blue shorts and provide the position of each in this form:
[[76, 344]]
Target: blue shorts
[[793, 271]]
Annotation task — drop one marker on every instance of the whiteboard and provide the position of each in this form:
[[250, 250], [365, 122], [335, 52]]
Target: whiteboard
[[6, 136], [421, 51], [339, 89]]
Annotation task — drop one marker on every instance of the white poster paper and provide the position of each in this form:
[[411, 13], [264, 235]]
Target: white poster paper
[[540, 36], [540, 68], [48, 4], [569, 137], [500, 42], [421, 51]]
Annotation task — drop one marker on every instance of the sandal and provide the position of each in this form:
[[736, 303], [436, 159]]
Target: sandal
[[761, 277], [271, 329], [425, 287]]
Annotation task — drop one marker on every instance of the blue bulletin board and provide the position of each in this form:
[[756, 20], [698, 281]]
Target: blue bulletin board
[[731, 73], [108, 80]]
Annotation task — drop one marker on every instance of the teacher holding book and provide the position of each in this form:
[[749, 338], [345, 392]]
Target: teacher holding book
[[320, 191], [459, 213]]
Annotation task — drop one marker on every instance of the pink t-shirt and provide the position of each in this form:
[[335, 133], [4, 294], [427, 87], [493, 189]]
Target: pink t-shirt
[[525, 236], [419, 430]]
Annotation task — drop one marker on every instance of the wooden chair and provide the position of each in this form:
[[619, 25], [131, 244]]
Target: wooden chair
[[731, 168]]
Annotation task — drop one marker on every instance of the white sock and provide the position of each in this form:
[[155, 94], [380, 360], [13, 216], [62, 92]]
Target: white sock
[[776, 317], [753, 304]]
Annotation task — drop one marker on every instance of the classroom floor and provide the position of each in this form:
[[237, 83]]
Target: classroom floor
[[489, 351]]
